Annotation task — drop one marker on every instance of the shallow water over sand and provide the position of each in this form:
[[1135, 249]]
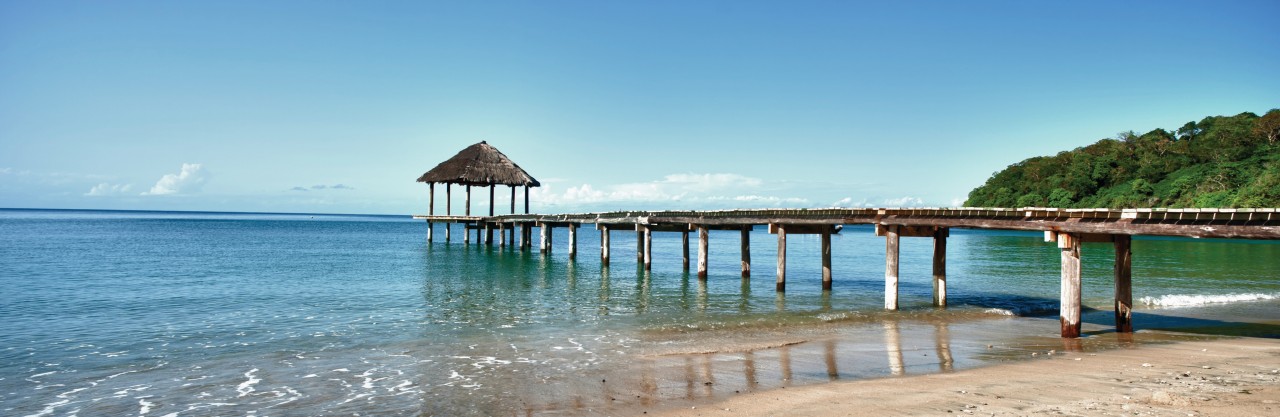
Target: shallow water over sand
[[203, 313]]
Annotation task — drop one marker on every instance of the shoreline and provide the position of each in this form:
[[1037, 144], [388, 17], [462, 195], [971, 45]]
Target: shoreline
[[1223, 376]]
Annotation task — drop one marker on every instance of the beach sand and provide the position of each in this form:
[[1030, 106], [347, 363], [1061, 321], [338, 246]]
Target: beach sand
[[1219, 377]]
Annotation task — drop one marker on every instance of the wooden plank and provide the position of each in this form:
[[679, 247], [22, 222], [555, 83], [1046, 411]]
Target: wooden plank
[[940, 267], [917, 231], [702, 252], [826, 262], [1124, 284], [1069, 309], [1173, 227], [803, 229], [781, 231], [746, 252], [891, 267]]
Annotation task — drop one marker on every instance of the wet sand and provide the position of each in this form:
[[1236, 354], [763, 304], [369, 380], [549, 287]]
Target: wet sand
[[1222, 376]]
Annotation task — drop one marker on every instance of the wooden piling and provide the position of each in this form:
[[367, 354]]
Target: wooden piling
[[573, 241], [891, 267], [782, 258], [448, 232], [431, 202], [684, 237], [648, 248], [604, 246], [1124, 283], [502, 235], [431, 229], [545, 235], [702, 252], [746, 251], [1069, 309], [826, 260], [468, 206], [639, 244], [526, 199], [513, 211], [488, 228], [940, 267], [448, 201]]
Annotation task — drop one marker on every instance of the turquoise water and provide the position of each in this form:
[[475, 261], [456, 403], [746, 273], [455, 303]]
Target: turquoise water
[[164, 313]]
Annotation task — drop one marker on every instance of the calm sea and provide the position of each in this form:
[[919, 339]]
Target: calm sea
[[196, 314]]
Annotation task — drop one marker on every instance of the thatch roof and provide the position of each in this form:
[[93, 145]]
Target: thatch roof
[[479, 164]]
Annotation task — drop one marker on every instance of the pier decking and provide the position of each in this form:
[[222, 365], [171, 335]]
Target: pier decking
[[1069, 228]]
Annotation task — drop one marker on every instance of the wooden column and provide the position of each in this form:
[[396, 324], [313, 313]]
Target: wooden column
[[940, 267], [826, 260], [448, 232], [1069, 309], [466, 234], [648, 248], [488, 227], [782, 258], [573, 241], [891, 267], [545, 242], [702, 252], [639, 245], [746, 251], [513, 211], [431, 210], [604, 246], [526, 199], [1124, 283], [502, 235], [448, 200], [468, 212], [684, 236]]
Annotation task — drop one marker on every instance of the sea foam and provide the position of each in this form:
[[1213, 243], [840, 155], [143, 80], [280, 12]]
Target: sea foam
[[1186, 300]]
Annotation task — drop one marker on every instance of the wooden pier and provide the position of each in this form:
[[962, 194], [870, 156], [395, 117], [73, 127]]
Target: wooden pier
[[1069, 228]]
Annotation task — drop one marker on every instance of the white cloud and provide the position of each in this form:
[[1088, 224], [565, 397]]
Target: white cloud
[[190, 179], [957, 202], [904, 202], [671, 191], [106, 189], [322, 187], [6, 170]]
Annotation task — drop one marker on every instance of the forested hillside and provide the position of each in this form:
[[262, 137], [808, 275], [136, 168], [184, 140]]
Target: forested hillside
[[1220, 161]]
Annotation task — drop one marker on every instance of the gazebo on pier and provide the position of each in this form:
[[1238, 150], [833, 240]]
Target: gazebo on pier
[[480, 165]]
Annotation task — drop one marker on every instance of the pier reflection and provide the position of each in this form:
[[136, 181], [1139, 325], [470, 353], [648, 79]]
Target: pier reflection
[[700, 376]]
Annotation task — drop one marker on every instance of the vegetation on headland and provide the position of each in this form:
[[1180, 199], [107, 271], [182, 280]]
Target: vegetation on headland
[[1221, 161]]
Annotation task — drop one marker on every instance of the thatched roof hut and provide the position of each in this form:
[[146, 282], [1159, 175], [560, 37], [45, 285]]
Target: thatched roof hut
[[480, 165]]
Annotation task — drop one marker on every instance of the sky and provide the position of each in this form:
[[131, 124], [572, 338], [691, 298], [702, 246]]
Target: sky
[[337, 107]]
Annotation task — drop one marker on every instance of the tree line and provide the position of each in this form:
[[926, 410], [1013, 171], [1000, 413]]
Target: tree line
[[1220, 161]]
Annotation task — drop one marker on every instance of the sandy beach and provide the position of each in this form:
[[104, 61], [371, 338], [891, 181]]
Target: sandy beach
[[1223, 377]]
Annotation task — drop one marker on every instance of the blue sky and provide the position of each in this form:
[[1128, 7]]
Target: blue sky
[[338, 106]]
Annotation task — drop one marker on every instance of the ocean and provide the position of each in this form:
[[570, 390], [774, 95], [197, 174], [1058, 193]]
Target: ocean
[[199, 314]]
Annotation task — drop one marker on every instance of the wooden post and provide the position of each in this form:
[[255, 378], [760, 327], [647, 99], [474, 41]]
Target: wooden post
[[1069, 310], [648, 248], [513, 211], [1124, 283], [502, 235], [448, 203], [488, 227], [430, 231], [639, 245], [684, 236], [573, 241], [448, 232], [545, 242], [466, 235], [604, 246], [891, 267], [782, 258], [940, 267], [746, 251], [431, 202], [526, 236], [526, 199], [468, 212], [826, 260], [703, 236]]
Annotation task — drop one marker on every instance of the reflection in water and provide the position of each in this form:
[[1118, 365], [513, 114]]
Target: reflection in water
[[942, 340], [702, 295], [749, 370], [893, 346], [832, 372]]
